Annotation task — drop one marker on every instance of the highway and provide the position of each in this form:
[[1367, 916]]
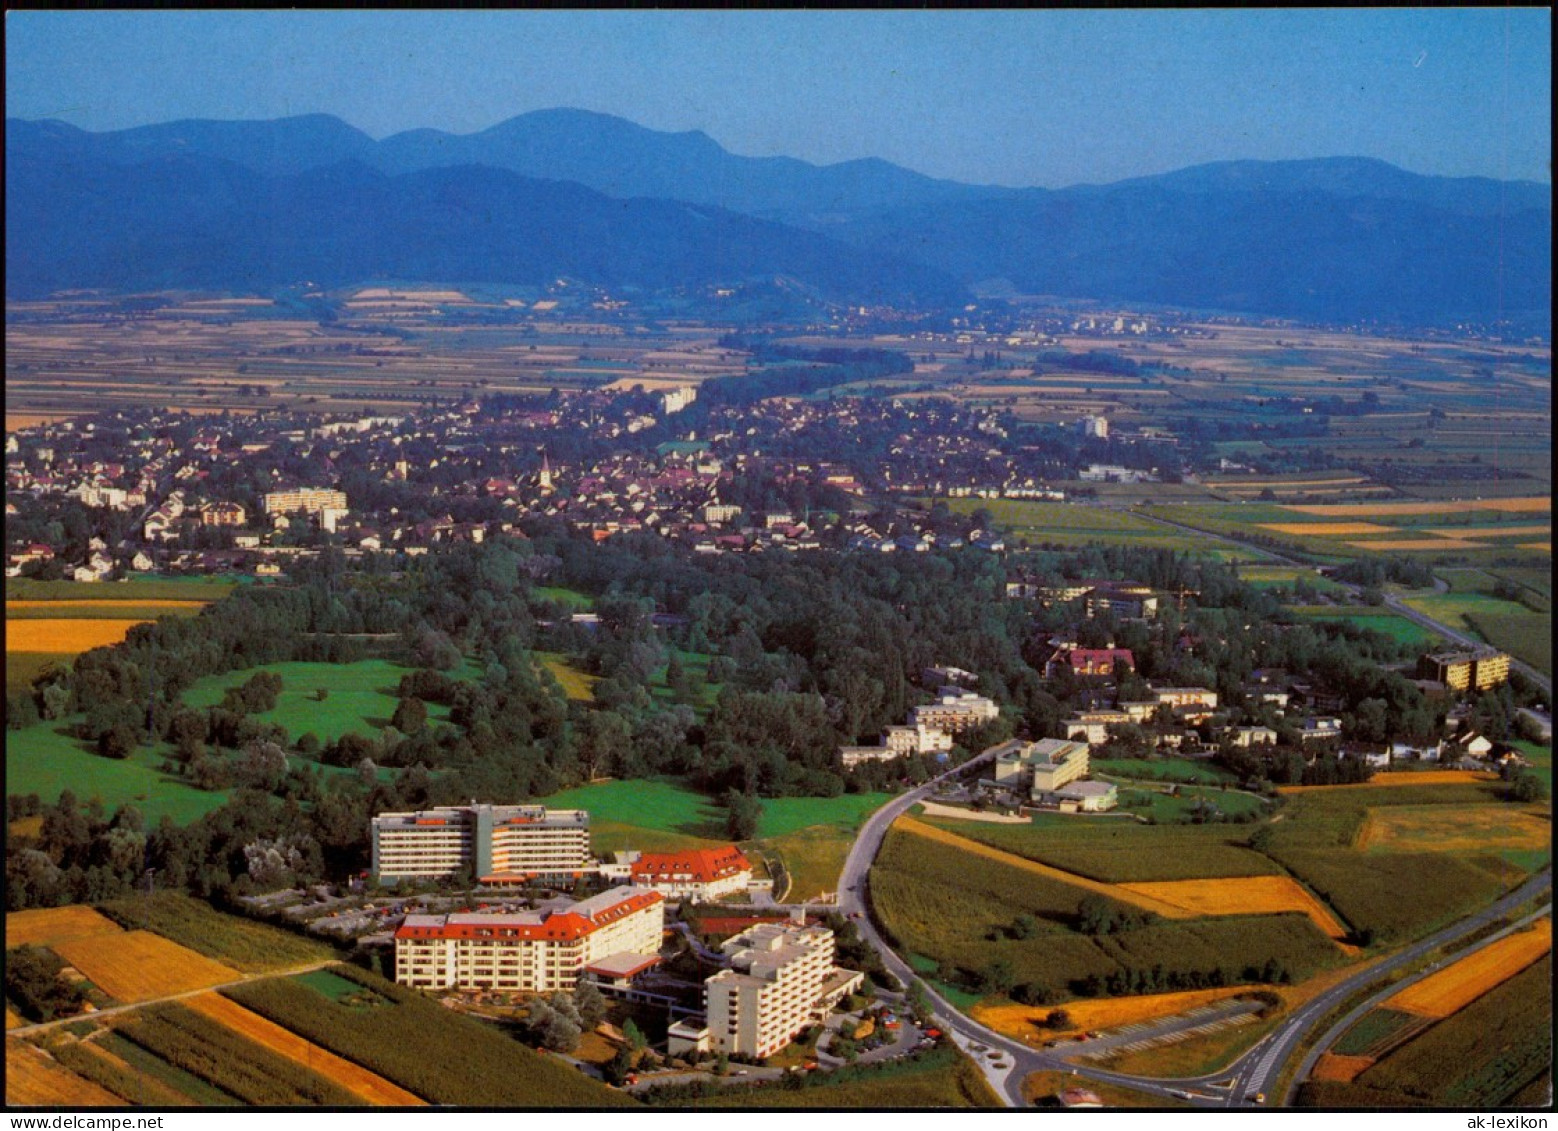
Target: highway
[[1256, 1072]]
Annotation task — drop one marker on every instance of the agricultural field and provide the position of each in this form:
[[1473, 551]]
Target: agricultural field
[[51, 622], [957, 909], [201, 589], [1185, 802], [941, 1078], [361, 697], [1376, 1030], [416, 1044], [227, 1059], [131, 966], [66, 635], [34, 1079], [1286, 577], [1518, 833], [1073, 524], [365, 1087], [209, 359], [1480, 1057], [91, 1060], [1390, 896], [1121, 851], [1021, 1021], [245, 945], [50, 925], [1464, 981], [569, 597], [1244, 895]]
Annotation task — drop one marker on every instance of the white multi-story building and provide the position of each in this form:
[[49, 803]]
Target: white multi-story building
[[497, 843], [701, 873], [309, 500], [1044, 766], [954, 711], [531, 951], [781, 980]]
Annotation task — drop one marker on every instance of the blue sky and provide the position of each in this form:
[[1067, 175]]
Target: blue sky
[[1005, 97]]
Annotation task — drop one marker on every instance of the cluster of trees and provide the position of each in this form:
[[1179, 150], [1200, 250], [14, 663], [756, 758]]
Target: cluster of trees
[[33, 983]]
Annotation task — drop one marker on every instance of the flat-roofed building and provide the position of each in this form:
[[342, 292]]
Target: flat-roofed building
[[954, 711], [1043, 766], [1092, 727], [1474, 670], [497, 843], [781, 980], [309, 500], [531, 951]]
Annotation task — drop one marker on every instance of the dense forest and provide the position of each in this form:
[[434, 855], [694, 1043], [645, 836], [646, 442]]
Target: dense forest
[[740, 675]]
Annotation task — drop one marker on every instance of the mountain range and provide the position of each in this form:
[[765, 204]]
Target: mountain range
[[255, 205]]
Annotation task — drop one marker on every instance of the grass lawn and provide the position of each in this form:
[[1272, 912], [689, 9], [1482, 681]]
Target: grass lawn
[[1042, 1089], [1388, 624], [696, 666], [941, 1078], [1166, 810], [563, 596], [361, 697], [39, 759], [812, 857], [576, 684], [662, 806], [1453, 608], [1163, 769]]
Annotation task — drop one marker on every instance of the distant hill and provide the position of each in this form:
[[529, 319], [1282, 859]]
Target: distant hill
[[1336, 239], [193, 221]]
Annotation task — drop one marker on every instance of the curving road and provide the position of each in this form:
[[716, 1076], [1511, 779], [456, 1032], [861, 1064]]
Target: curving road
[[1006, 1062]]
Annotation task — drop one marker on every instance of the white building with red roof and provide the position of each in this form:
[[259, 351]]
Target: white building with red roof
[[532, 951], [703, 873]]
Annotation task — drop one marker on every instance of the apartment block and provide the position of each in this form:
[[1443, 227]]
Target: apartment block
[[954, 711], [309, 500], [1475, 670], [497, 843], [781, 980], [531, 951]]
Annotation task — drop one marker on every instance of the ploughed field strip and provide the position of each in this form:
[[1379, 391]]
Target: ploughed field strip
[[34, 1079], [1463, 982], [1243, 895], [50, 925], [369, 1086], [1388, 779]]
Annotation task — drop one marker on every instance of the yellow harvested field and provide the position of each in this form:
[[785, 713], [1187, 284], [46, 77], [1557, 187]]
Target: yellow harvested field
[[367, 1086], [1376, 510], [1418, 544], [1403, 777], [1325, 529], [1021, 1021], [65, 635], [34, 1079], [1465, 829], [1242, 895], [13, 1018], [1458, 985], [1489, 531], [50, 925], [106, 604], [138, 965], [1340, 1069], [1545, 547], [1113, 891]]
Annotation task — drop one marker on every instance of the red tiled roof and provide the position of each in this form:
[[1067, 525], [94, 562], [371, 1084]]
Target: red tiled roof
[[700, 865]]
